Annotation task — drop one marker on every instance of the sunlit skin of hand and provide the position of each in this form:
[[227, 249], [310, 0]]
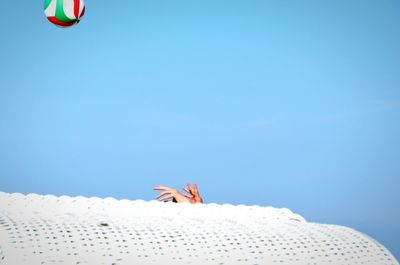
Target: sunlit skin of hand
[[167, 193]]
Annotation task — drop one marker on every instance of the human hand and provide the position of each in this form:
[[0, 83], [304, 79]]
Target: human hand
[[194, 196], [169, 193]]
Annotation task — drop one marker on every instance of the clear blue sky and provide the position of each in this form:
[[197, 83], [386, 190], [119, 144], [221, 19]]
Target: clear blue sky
[[285, 103]]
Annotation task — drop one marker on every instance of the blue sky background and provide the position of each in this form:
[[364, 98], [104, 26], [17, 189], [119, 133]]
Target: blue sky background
[[285, 103]]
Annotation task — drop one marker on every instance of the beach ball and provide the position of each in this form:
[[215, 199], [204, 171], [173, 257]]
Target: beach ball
[[64, 13]]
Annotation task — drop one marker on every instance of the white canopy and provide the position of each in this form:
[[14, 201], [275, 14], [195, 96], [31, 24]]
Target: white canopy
[[37, 229]]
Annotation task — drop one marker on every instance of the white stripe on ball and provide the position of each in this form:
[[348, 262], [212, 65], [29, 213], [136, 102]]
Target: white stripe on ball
[[81, 6], [69, 9], [51, 9]]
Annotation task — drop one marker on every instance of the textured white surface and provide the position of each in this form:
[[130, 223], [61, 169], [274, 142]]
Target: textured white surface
[[38, 229]]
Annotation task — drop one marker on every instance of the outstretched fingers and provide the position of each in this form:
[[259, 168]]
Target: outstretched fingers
[[162, 194], [190, 187], [161, 188], [191, 194], [185, 189]]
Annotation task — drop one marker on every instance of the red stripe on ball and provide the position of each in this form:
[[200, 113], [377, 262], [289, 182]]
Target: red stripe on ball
[[83, 12], [60, 23], [76, 8]]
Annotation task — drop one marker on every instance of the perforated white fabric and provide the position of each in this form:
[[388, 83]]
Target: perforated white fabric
[[53, 230]]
